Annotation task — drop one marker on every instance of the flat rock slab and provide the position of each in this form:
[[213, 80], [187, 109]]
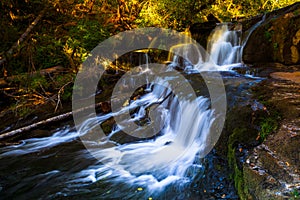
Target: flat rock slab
[[290, 76]]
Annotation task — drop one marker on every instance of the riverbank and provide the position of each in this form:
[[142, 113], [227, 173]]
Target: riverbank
[[272, 169]]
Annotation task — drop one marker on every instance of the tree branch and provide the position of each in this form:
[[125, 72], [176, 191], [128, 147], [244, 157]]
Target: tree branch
[[102, 105], [24, 35]]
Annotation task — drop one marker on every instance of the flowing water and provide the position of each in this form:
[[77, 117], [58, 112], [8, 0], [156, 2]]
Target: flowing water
[[172, 164], [224, 45]]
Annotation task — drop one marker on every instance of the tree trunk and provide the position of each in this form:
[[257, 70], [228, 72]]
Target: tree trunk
[[24, 35]]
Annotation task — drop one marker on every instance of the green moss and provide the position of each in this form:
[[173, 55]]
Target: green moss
[[23, 111], [268, 120], [107, 126], [296, 12], [276, 46], [267, 126], [239, 134], [268, 35], [294, 195]]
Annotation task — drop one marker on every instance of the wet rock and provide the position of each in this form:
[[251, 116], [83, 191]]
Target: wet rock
[[201, 31], [277, 39], [268, 175], [272, 169]]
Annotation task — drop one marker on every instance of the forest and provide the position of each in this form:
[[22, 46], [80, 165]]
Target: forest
[[56, 34], [217, 116]]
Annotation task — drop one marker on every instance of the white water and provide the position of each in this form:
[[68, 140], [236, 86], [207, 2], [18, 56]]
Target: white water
[[151, 164], [250, 31], [157, 162], [224, 52], [224, 45]]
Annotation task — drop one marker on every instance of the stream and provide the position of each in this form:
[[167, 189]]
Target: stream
[[176, 162]]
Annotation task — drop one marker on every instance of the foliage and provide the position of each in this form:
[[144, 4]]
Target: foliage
[[83, 37], [36, 89], [238, 135], [295, 194], [180, 14], [231, 9], [267, 126], [69, 30], [176, 14], [48, 51]]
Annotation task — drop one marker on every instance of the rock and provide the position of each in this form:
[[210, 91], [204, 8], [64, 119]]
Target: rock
[[201, 31], [294, 54], [105, 107], [273, 172], [291, 76], [277, 39], [272, 169]]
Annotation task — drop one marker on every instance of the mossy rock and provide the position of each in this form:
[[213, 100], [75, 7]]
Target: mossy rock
[[238, 135], [277, 39]]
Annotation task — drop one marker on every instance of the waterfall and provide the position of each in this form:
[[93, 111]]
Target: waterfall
[[250, 31], [125, 167], [224, 45], [173, 155], [156, 163], [223, 51]]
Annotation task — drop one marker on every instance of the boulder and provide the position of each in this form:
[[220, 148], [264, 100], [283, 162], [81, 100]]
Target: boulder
[[277, 39], [201, 31]]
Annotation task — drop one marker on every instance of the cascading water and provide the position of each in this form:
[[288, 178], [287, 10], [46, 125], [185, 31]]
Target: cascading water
[[155, 163], [141, 169], [151, 164], [250, 31], [224, 45]]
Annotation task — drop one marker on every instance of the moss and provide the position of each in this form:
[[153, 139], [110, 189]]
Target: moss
[[107, 126], [276, 46], [268, 36], [296, 12], [267, 126], [295, 194], [23, 111], [267, 121], [239, 134], [240, 123]]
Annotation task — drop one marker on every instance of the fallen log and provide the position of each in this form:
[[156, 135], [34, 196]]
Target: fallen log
[[4, 82], [102, 105]]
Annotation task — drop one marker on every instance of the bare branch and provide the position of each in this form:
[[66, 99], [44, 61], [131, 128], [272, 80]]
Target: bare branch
[[58, 118], [24, 35]]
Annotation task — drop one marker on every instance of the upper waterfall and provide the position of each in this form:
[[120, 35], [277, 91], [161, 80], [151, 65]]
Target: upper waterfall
[[224, 51], [224, 45]]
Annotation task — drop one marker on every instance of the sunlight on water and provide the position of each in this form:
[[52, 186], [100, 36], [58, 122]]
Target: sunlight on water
[[172, 156], [224, 45], [157, 162], [153, 163]]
